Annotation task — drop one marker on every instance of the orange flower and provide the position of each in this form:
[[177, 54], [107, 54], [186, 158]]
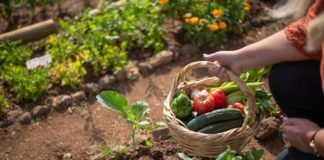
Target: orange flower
[[217, 13], [163, 2], [247, 7], [187, 20], [194, 20], [213, 27], [222, 25]]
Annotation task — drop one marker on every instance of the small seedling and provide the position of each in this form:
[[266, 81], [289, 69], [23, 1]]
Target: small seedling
[[133, 114]]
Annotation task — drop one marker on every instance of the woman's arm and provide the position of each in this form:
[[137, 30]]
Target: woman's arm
[[271, 50]]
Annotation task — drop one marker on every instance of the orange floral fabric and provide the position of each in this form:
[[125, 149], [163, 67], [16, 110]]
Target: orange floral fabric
[[296, 34]]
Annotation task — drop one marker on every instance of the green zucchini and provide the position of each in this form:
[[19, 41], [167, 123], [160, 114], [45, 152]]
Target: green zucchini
[[222, 126], [213, 117]]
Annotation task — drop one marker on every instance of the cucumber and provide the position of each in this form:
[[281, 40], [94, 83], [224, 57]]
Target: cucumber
[[213, 117], [222, 126]]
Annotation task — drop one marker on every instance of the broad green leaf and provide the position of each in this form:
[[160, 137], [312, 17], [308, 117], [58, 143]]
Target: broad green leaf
[[114, 101], [262, 101], [257, 154], [253, 154], [226, 155], [183, 156], [139, 109]]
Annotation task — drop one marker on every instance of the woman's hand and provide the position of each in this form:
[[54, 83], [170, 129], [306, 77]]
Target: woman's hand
[[298, 132], [223, 60]]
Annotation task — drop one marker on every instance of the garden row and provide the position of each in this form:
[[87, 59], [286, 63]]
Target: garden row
[[99, 42]]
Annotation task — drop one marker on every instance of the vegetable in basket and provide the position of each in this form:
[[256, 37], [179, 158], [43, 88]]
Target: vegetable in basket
[[219, 99], [181, 106], [238, 105], [203, 103], [222, 126], [234, 97], [216, 116]]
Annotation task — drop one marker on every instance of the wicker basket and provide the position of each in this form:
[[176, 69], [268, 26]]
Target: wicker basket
[[210, 145]]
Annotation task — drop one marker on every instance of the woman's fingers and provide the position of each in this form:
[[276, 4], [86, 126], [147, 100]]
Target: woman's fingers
[[210, 57], [218, 71]]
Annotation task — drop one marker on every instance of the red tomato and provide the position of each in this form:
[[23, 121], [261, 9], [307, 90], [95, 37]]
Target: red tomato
[[219, 99], [203, 103], [239, 106]]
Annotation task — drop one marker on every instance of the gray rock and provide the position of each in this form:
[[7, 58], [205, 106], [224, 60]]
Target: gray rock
[[189, 49], [40, 111], [14, 114], [25, 118], [145, 158], [78, 96], [6, 123], [145, 68], [106, 82], [141, 138], [133, 73], [62, 102], [161, 58], [267, 128], [91, 88], [121, 75], [161, 134]]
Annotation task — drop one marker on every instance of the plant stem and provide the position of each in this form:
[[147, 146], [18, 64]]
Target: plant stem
[[133, 137]]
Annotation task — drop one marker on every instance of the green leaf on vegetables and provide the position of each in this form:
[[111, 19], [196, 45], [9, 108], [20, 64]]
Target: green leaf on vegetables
[[254, 75], [262, 100]]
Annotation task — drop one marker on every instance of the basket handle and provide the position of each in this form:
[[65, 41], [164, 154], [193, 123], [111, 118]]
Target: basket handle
[[181, 78]]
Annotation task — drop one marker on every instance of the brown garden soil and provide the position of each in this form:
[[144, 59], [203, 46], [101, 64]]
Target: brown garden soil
[[78, 132]]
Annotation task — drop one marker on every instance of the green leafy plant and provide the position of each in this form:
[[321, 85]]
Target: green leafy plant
[[12, 54], [26, 84], [68, 73], [229, 154], [117, 102], [233, 155], [207, 22], [148, 143], [8, 7], [3, 101], [105, 150]]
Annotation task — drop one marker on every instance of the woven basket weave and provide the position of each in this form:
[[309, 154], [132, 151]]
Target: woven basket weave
[[209, 145]]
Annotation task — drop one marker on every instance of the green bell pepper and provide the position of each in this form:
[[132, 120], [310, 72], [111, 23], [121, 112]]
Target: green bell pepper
[[181, 106]]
